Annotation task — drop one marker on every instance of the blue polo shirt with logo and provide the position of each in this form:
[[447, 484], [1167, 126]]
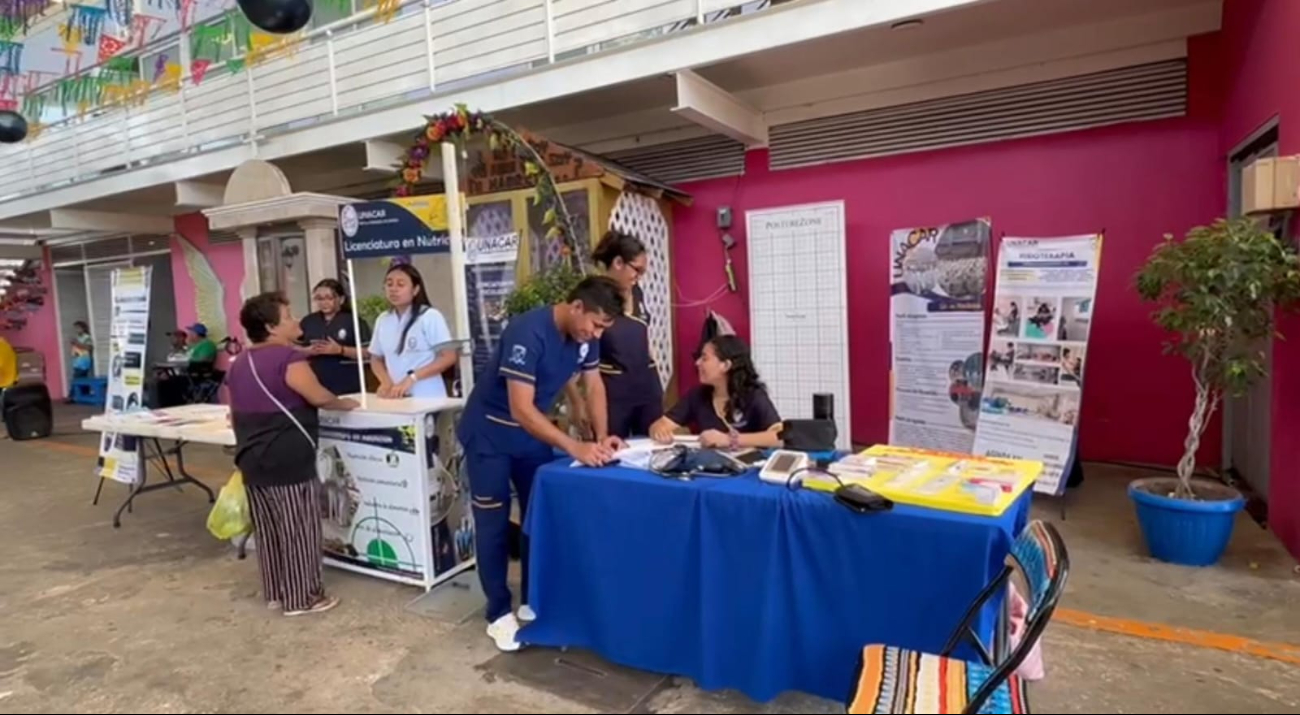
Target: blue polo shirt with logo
[[532, 350]]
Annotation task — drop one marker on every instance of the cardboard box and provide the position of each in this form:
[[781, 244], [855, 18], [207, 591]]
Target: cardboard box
[[1271, 184]]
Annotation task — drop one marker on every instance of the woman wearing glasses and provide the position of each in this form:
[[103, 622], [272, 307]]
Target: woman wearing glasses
[[632, 388]]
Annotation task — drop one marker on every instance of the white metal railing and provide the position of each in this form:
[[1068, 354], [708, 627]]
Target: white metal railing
[[348, 66]]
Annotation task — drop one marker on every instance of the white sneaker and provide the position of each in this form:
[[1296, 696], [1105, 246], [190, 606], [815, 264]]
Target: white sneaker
[[504, 631], [526, 614]]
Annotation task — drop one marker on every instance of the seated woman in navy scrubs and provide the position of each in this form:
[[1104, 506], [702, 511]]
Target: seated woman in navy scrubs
[[730, 408]]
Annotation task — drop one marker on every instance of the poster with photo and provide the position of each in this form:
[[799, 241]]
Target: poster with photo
[[393, 501], [489, 277], [938, 279], [1038, 348], [119, 457]]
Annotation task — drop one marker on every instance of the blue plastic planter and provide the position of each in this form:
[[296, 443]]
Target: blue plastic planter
[[1181, 531]]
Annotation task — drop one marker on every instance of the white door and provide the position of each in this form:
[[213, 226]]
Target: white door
[[798, 307]]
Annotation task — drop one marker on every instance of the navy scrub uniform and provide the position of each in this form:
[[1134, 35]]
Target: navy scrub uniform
[[499, 452], [632, 388], [336, 373], [695, 412]]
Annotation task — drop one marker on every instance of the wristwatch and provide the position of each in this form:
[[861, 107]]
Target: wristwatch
[[410, 374]]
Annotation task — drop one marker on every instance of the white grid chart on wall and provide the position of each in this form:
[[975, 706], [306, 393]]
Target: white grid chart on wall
[[798, 307]]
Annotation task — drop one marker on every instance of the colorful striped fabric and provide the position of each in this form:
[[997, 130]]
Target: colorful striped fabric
[[895, 680], [1039, 561]]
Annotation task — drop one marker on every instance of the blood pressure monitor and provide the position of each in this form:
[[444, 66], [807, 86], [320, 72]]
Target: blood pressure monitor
[[782, 466]]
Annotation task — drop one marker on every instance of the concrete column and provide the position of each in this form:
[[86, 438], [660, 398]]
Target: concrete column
[[252, 284], [322, 253]]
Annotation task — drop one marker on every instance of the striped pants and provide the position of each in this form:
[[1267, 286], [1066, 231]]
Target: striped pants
[[287, 525]]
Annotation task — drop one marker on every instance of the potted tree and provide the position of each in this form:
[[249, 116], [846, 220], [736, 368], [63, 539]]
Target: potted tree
[[1215, 291]]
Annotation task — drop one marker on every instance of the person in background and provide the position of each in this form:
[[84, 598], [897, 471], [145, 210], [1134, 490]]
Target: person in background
[[730, 408], [632, 388], [327, 337], [508, 435], [202, 349], [180, 349], [82, 348], [274, 396], [412, 346]]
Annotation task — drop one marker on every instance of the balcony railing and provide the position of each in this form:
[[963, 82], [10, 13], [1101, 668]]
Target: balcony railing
[[352, 66]]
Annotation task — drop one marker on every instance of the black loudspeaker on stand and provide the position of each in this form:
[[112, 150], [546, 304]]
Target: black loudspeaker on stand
[[824, 406]]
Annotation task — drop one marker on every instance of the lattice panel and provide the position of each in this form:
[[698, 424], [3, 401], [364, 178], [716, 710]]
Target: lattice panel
[[494, 219], [641, 216]]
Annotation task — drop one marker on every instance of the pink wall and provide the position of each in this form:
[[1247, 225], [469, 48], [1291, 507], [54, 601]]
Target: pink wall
[[227, 260], [42, 334], [1136, 182], [1261, 75]]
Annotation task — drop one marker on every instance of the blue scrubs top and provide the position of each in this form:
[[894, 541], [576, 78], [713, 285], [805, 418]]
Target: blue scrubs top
[[533, 350], [426, 337]]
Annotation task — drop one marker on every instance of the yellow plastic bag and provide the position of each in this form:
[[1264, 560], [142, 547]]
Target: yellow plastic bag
[[230, 516]]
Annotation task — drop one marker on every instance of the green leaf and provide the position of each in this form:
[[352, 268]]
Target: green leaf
[[548, 219]]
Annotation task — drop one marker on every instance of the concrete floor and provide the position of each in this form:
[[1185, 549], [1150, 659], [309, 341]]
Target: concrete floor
[[158, 617]]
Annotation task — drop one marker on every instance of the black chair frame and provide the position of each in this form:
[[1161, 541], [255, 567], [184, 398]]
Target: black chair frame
[[1003, 670]]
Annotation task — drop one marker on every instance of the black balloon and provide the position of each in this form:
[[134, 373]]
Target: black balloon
[[278, 17], [13, 128]]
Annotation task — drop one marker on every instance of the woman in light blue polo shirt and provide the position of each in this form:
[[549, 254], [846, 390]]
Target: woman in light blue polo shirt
[[412, 346]]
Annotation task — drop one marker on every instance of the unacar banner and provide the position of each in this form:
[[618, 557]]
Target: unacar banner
[[1042, 320]]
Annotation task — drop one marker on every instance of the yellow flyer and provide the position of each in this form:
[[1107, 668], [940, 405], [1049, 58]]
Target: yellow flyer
[[945, 480]]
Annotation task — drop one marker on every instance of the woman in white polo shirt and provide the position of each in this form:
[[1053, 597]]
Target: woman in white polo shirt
[[412, 346]]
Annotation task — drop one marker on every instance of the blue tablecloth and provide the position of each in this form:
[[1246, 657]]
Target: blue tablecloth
[[740, 584]]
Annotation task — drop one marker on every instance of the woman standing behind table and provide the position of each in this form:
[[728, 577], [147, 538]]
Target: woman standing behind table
[[274, 395], [328, 338], [412, 346], [632, 388], [730, 408]]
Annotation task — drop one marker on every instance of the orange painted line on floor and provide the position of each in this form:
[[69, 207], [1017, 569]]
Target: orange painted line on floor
[[92, 452], [1283, 652]]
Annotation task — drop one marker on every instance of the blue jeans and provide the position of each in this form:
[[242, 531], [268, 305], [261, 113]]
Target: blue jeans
[[490, 477]]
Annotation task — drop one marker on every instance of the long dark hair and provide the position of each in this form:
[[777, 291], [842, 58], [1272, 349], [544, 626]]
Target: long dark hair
[[742, 378], [614, 245], [419, 303], [336, 287]]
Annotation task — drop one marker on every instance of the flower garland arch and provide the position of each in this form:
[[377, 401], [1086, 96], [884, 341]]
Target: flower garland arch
[[460, 125]]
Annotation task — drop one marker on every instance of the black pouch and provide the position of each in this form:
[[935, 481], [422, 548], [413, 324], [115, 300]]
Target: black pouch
[[809, 435], [683, 462]]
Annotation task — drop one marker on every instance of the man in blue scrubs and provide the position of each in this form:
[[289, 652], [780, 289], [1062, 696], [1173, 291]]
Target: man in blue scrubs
[[507, 433]]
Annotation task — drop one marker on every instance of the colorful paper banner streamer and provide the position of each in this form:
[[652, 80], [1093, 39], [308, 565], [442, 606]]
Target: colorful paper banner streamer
[[11, 57], [121, 11], [22, 12], [84, 24]]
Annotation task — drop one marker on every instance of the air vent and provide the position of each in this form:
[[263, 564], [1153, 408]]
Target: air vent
[[215, 237], [690, 160], [66, 254], [1144, 92]]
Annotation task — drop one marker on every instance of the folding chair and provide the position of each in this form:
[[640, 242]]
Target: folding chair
[[897, 680]]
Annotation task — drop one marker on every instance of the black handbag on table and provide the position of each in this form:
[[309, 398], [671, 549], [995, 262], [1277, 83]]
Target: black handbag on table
[[809, 435]]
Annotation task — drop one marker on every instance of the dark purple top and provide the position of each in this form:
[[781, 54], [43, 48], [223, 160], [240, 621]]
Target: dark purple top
[[270, 449]]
